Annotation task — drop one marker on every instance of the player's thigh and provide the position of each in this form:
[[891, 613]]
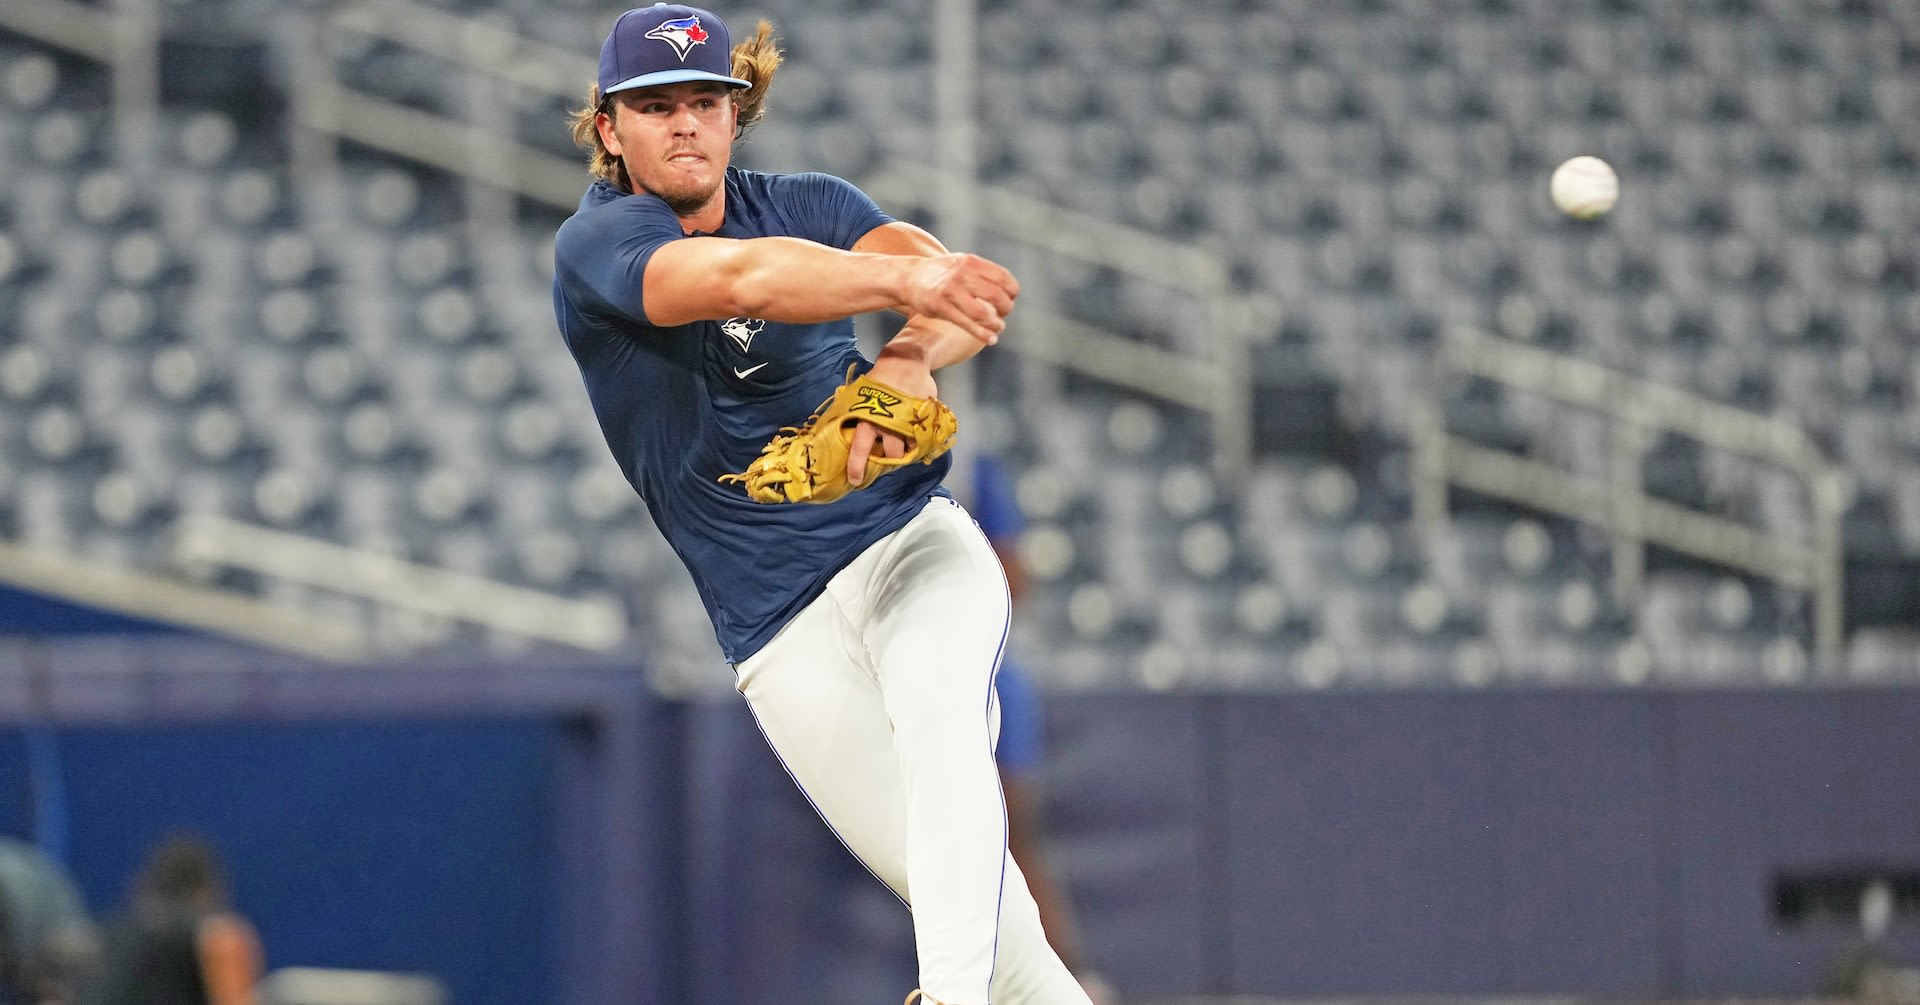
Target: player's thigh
[[941, 615], [821, 712]]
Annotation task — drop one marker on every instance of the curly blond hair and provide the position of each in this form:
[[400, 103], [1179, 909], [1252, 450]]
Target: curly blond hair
[[755, 60]]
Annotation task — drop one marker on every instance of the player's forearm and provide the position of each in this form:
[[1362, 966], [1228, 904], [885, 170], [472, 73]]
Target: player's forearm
[[786, 279], [933, 342], [771, 278], [800, 282]]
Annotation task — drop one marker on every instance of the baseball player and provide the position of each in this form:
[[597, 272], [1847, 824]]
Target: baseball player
[[709, 308]]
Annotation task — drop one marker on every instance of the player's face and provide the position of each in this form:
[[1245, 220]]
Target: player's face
[[674, 139]]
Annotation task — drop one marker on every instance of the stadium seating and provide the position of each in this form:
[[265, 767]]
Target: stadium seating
[[187, 330]]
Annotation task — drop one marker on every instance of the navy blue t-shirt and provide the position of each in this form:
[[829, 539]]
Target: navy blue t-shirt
[[682, 405]]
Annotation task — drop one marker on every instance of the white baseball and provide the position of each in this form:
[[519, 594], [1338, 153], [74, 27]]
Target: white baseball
[[1584, 187]]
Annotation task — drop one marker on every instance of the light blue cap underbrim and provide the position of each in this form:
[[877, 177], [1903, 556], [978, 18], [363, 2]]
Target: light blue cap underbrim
[[659, 77]]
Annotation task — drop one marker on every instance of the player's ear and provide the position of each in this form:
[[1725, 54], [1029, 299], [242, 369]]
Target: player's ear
[[603, 124]]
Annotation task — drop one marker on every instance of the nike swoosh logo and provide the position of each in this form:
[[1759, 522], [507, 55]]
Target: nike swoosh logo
[[748, 372]]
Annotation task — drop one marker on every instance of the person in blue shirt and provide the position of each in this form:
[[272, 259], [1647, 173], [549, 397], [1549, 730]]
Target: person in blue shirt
[[707, 307], [1021, 752]]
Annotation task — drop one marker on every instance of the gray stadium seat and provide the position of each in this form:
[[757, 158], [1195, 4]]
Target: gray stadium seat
[[1378, 171]]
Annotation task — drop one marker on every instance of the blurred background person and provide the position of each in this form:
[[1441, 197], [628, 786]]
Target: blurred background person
[[179, 941], [46, 939], [1021, 750]]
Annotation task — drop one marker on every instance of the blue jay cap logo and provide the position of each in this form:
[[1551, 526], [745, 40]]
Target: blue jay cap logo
[[666, 44], [682, 33]]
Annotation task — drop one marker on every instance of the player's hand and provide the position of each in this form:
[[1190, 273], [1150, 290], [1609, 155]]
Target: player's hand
[[909, 375], [967, 290]]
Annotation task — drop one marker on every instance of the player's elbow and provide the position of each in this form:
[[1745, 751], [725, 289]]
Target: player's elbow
[[744, 283], [750, 287], [748, 298]]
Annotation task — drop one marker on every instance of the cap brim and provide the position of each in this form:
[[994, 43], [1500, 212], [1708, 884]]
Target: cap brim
[[673, 77]]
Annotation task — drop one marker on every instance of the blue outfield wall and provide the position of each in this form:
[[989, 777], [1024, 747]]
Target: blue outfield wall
[[1611, 843], [504, 827], [362, 844], [546, 832]]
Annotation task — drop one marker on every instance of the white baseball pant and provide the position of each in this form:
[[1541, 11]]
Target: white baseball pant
[[878, 698]]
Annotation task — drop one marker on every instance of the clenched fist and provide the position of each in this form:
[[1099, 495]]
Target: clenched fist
[[967, 290]]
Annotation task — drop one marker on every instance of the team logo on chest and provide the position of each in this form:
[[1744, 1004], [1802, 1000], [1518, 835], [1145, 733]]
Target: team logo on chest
[[742, 330], [683, 33]]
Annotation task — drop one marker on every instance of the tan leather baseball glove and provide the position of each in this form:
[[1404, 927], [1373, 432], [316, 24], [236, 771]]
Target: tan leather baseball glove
[[808, 463]]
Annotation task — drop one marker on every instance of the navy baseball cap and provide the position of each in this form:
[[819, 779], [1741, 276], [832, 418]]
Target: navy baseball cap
[[666, 44]]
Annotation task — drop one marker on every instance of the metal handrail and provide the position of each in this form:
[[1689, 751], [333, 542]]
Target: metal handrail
[[325, 105], [595, 623], [63, 24], [1219, 385], [493, 49], [1619, 503], [168, 601], [1063, 231], [440, 142], [475, 43], [124, 36]]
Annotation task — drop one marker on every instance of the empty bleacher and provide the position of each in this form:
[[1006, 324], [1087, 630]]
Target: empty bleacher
[[203, 327]]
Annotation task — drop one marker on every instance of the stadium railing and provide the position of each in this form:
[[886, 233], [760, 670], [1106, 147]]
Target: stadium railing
[[483, 150], [1636, 411], [486, 151], [592, 623], [125, 36], [169, 601]]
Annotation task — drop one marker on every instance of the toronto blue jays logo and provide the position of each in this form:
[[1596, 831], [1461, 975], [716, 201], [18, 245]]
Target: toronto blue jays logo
[[683, 33], [742, 330]]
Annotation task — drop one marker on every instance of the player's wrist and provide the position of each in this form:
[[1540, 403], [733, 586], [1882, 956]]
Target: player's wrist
[[903, 281], [935, 342], [902, 371], [904, 349]]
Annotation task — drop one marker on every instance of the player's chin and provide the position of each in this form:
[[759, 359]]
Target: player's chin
[[688, 189]]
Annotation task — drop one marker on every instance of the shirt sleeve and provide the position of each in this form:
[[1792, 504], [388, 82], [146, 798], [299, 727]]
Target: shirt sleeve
[[831, 210], [600, 256]]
